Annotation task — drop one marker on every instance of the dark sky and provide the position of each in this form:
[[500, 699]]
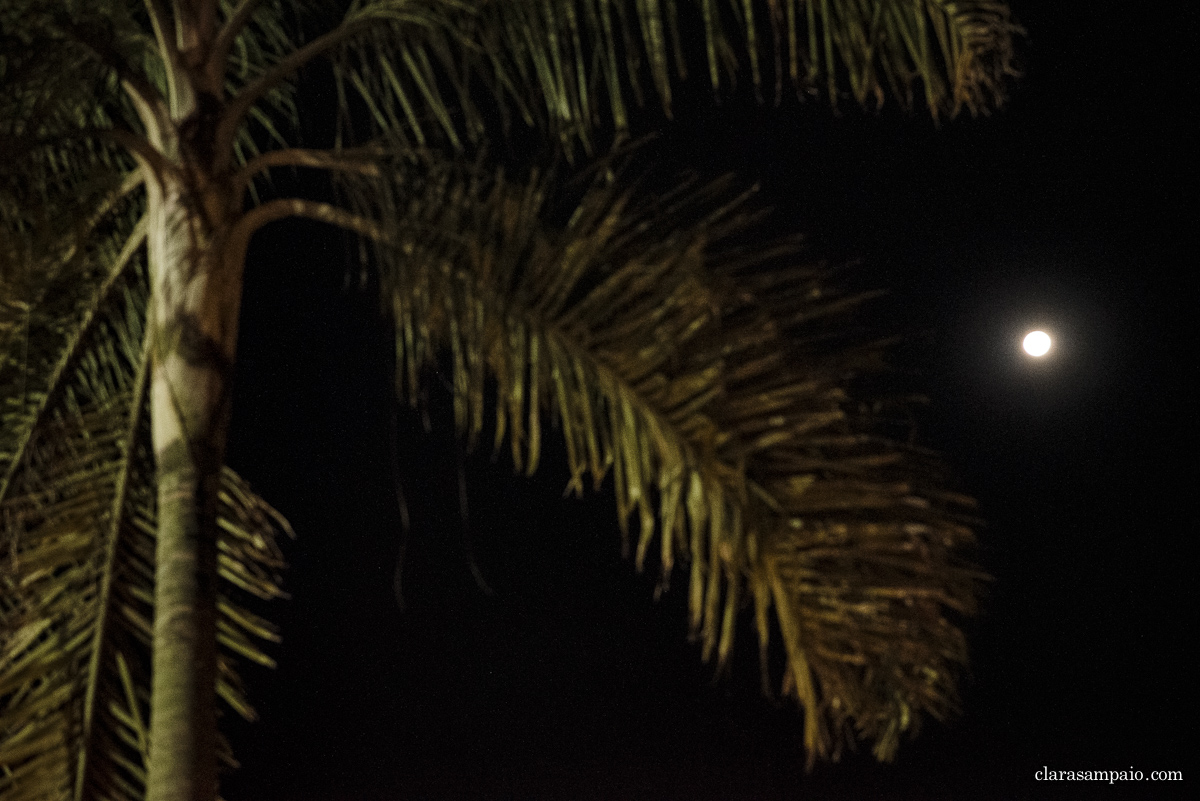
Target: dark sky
[[1068, 209]]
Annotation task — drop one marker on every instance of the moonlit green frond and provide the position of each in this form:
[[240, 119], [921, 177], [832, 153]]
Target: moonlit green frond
[[692, 372], [77, 521], [572, 65], [56, 96], [66, 76], [861, 545], [261, 44]]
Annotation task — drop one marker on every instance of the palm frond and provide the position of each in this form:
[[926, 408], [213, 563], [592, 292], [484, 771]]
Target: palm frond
[[56, 99], [573, 65], [64, 98], [77, 523], [860, 544], [687, 369], [259, 45]]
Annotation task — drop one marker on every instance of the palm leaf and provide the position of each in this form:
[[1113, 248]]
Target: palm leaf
[[688, 369], [77, 523], [261, 44], [64, 82], [859, 541], [572, 65]]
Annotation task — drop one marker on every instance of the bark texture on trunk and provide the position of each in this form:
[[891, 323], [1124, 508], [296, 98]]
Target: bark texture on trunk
[[182, 719], [194, 313]]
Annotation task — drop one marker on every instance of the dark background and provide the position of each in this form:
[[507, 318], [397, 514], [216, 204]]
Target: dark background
[[1068, 210]]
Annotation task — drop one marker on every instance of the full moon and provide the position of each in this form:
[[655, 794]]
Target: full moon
[[1037, 343]]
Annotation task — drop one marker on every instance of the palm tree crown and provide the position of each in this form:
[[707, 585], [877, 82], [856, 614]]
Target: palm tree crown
[[708, 377]]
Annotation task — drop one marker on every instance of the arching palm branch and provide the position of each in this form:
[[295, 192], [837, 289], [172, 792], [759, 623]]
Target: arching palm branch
[[702, 376]]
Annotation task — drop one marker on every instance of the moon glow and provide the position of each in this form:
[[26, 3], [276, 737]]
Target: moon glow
[[1037, 343]]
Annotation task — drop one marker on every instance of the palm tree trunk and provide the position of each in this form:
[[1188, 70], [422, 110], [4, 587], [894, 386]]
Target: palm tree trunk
[[182, 720], [194, 312]]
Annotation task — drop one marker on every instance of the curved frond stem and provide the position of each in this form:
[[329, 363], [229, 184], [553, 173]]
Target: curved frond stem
[[358, 161], [233, 114], [282, 208], [141, 386], [72, 352], [132, 181], [163, 25], [228, 35], [142, 149]]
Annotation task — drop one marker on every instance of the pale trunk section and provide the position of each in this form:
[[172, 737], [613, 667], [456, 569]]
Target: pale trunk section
[[194, 312]]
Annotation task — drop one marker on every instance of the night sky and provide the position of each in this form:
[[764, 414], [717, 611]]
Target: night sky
[[1066, 210]]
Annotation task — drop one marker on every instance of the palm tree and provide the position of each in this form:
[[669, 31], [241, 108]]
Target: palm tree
[[706, 376]]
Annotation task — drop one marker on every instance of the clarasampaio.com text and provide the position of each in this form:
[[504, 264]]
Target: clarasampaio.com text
[[1110, 776]]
